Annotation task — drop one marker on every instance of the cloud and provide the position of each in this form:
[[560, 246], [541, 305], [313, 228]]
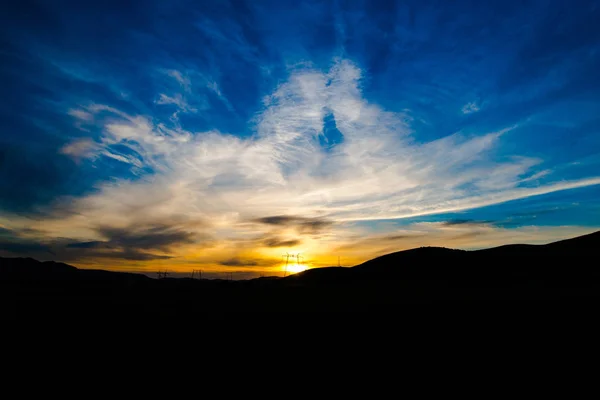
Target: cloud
[[89, 245], [125, 254], [148, 238], [139, 243], [278, 242], [22, 247], [15, 242], [236, 262], [281, 179], [470, 108], [177, 100], [301, 224], [79, 148], [184, 81], [377, 171], [22, 242], [81, 115]]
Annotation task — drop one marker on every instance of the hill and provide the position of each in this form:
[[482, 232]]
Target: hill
[[560, 271], [559, 260], [29, 269]]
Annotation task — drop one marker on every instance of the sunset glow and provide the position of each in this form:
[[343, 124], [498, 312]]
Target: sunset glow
[[295, 268]]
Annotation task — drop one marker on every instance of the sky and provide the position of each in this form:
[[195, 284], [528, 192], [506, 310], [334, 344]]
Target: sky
[[219, 135]]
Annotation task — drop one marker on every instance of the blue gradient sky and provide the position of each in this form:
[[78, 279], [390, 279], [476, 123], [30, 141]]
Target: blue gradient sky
[[142, 134]]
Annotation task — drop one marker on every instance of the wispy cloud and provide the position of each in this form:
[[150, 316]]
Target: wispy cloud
[[471, 108], [376, 172], [282, 180], [79, 148], [183, 80]]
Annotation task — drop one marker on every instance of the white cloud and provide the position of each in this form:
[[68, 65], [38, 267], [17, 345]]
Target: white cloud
[[214, 87], [177, 100], [79, 148], [470, 108], [183, 80], [81, 115], [377, 172]]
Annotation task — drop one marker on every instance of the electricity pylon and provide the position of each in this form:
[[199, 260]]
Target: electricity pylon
[[287, 261]]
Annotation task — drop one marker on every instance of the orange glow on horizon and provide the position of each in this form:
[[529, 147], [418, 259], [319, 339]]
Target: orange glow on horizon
[[295, 268]]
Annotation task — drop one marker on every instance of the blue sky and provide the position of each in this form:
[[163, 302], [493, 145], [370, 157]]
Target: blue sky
[[140, 134]]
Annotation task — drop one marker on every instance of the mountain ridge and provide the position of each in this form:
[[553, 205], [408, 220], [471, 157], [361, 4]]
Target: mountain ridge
[[559, 271], [431, 262], [29, 267]]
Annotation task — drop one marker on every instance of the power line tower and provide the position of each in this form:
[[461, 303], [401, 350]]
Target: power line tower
[[162, 274], [287, 261], [339, 265], [197, 272]]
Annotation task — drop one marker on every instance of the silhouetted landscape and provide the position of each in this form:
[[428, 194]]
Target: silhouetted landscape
[[558, 271]]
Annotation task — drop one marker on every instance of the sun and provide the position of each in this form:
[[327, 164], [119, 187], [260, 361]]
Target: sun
[[295, 268]]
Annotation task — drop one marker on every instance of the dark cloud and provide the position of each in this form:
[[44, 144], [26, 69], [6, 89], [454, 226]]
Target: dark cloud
[[457, 222], [135, 255], [278, 242], [150, 238], [86, 245], [138, 244], [13, 241], [277, 220], [468, 235], [303, 225], [392, 238], [135, 243], [93, 250], [24, 247], [237, 262]]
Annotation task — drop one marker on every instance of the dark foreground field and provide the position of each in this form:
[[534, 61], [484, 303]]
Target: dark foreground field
[[555, 273]]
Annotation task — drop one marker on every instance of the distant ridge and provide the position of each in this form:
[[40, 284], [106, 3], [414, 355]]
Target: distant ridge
[[28, 268], [439, 263], [562, 258], [557, 272]]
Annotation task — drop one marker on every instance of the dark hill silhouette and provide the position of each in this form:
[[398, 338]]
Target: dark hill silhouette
[[571, 258], [588, 242], [30, 268], [25, 269], [558, 271]]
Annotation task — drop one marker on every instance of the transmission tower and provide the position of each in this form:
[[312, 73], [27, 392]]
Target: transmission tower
[[162, 274], [287, 261], [197, 272]]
